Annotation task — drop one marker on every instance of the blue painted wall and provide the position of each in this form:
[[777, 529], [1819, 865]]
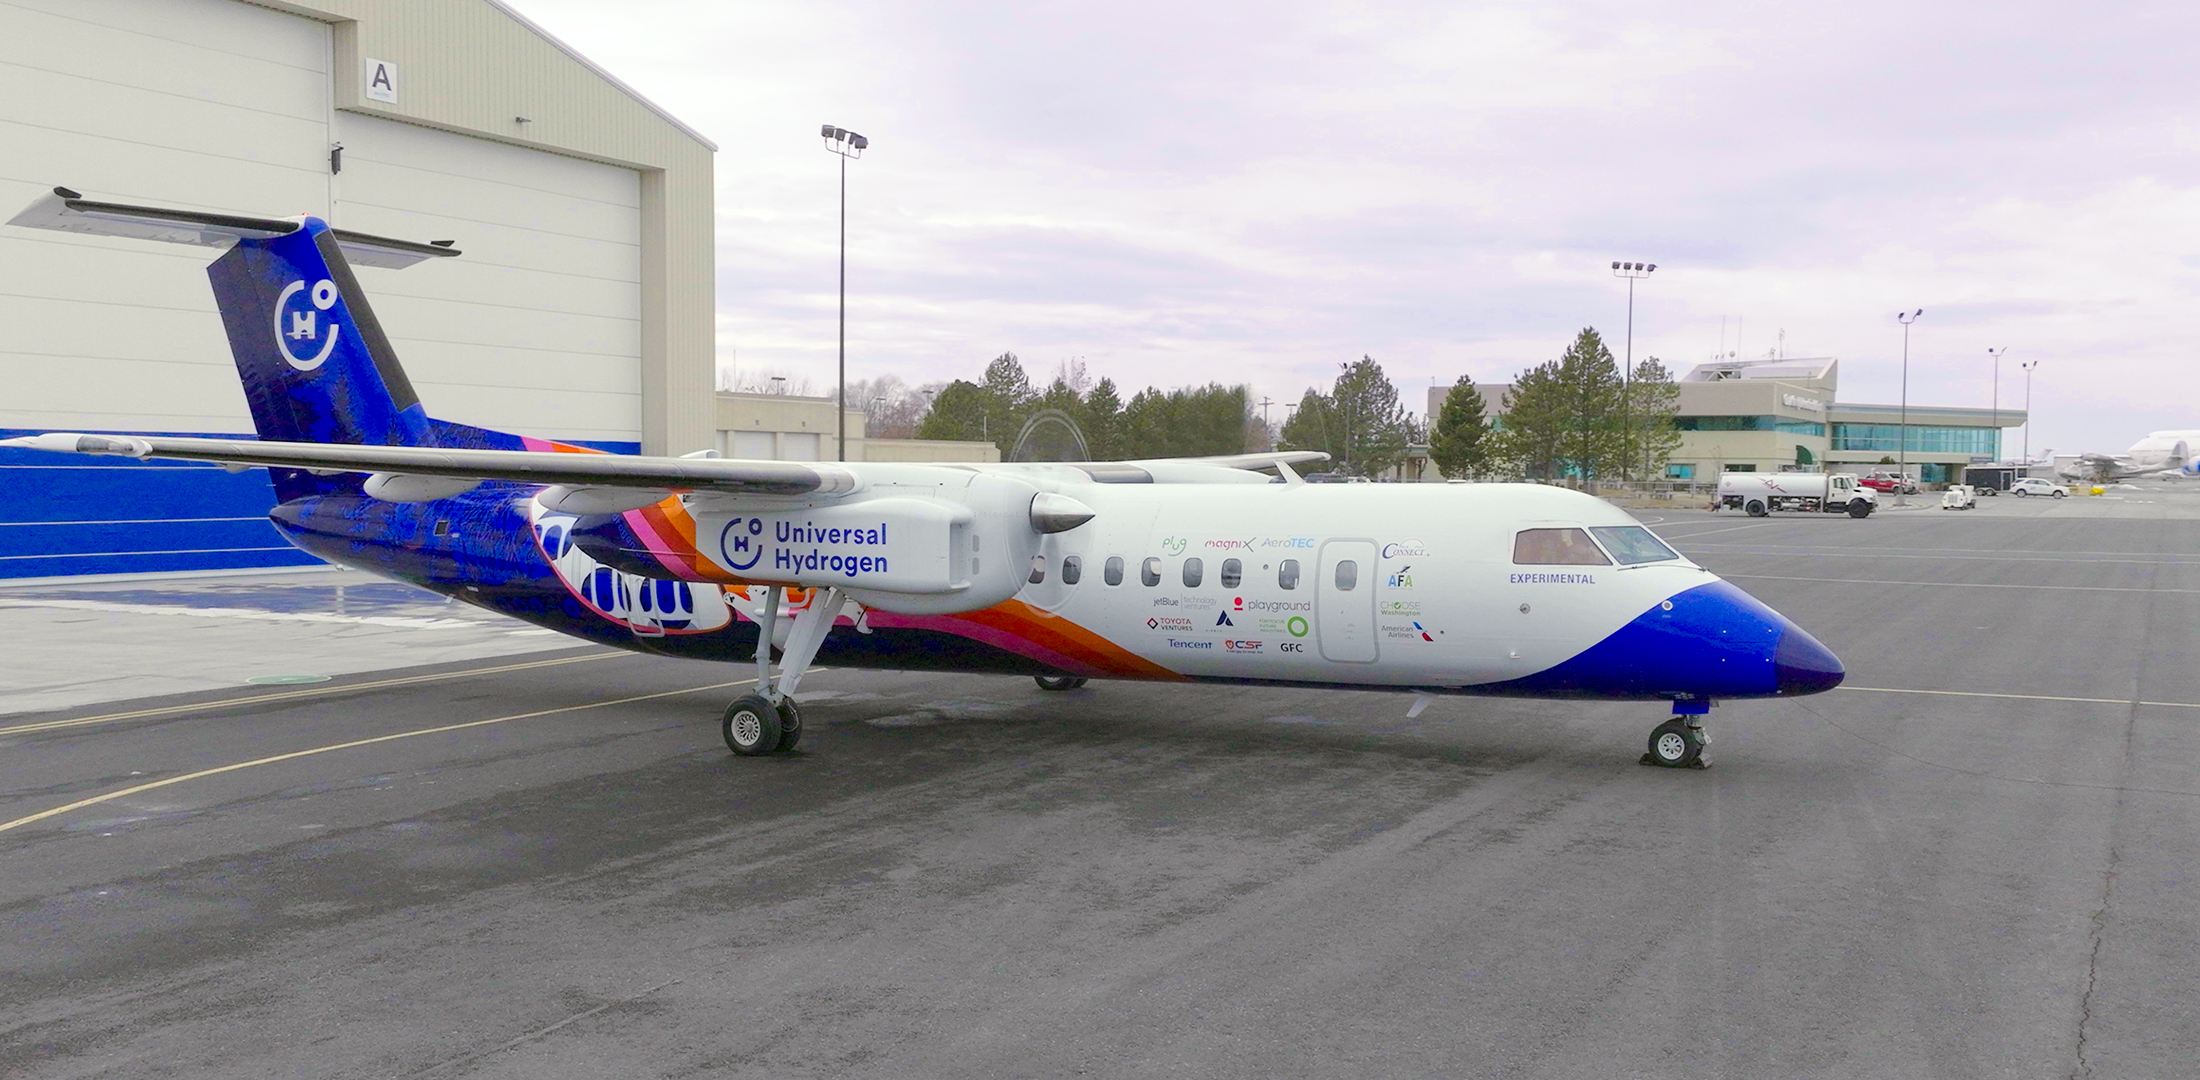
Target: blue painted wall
[[66, 514]]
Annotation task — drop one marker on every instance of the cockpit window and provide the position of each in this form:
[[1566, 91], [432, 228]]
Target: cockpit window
[[1632, 544], [1556, 547]]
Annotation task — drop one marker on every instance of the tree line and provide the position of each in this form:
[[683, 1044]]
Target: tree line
[[1190, 421], [1568, 418]]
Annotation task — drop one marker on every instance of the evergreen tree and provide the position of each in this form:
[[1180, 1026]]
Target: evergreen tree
[[1459, 442], [1529, 438], [1008, 400], [1307, 428], [1376, 429], [1652, 401], [1103, 422], [958, 414], [1593, 445]]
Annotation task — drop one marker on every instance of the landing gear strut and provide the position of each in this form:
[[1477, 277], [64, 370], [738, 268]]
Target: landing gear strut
[[1678, 743], [769, 721]]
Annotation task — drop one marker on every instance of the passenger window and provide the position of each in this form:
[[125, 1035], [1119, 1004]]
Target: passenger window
[[1038, 569], [1193, 571], [1150, 572], [1073, 569], [1233, 572], [1287, 575], [1556, 547], [1113, 572], [1348, 575]]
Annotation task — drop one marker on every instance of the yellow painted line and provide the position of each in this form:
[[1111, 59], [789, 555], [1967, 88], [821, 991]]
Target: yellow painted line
[[204, 773], [1957, 584], [2023, 697], [297, 695]]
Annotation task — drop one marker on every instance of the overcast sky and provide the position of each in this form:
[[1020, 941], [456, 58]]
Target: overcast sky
[[1255, 193]]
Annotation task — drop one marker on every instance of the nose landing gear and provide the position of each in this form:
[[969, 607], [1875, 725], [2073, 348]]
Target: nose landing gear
[[769, 721], [1679, 743]]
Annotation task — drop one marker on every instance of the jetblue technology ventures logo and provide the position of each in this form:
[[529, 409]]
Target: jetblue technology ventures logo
[[304, 323]]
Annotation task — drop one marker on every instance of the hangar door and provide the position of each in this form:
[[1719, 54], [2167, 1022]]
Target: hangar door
[[537, 327], [1344, 607]]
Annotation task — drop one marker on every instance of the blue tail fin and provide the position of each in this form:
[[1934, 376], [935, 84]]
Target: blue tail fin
[[315, 363]]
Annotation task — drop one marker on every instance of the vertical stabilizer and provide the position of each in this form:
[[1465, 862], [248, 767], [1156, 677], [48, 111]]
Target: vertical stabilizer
[[315, 363]]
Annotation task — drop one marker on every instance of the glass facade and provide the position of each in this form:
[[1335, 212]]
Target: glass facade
[[1684, 470], [1886, 438], [1748, 423]]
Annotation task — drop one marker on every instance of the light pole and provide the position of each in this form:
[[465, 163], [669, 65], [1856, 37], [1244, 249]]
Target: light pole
[[1997, 354], [1631, 271], [847, 144], [1902, 433], [2028, 414]]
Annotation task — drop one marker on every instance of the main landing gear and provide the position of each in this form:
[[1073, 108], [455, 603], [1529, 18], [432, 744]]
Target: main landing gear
[[1678, 743], [1062, 682], [769, 721]]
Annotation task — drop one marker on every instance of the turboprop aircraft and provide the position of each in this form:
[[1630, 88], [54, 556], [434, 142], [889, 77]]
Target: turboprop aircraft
[[2165, 454], [1196, 571]]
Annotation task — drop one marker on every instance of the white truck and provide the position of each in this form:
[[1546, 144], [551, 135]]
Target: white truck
[[1758, 494]]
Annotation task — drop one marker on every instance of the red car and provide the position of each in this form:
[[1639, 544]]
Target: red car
[[1888, 483]]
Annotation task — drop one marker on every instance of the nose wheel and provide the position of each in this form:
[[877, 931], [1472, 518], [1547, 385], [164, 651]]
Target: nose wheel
[[1063, 682], [1678, 743]]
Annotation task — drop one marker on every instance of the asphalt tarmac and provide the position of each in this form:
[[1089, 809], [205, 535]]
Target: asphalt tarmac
[[1975, 859]]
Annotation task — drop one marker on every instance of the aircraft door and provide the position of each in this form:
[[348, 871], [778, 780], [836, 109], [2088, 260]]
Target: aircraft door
[[1344, 609]]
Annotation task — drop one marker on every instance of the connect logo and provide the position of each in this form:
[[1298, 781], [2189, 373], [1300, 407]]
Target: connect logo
[[1407, 548], [306, 329]]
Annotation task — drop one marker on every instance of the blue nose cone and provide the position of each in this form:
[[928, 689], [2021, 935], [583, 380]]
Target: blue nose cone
[[1803, 666], [1712, 641]]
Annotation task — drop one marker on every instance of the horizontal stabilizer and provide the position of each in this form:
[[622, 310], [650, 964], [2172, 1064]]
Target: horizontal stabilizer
[[1265, 460], [580, 471], [66, 211]]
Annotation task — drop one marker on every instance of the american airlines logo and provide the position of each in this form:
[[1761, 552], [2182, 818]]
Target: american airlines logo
[[310, 326]]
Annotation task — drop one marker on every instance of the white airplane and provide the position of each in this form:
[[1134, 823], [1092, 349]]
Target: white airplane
[[2165, 454], [1194, 571]]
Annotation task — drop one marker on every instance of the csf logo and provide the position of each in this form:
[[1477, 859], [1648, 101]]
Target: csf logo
[[304, 323]]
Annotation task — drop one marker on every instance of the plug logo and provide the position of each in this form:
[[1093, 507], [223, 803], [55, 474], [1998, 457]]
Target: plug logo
[[305, 327]]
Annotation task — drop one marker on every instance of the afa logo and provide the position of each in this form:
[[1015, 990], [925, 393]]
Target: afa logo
[[305, 324]]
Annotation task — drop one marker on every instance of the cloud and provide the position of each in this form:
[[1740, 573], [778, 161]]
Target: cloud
[[1256, 192]]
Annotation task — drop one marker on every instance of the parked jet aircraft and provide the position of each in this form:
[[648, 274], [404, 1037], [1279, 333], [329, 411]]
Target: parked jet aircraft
[[1201, 571], [2166, 454]]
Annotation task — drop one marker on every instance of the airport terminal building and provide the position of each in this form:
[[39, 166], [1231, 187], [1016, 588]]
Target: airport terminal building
[[1786, 415], [581, 308]]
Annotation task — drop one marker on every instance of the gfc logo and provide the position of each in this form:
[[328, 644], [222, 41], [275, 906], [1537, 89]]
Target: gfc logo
[[304, 328]]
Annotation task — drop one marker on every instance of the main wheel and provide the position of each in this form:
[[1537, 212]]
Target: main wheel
[[790, 724], [1859, 508], [1675, 745], [752, 726], [1064, 682], [1755, 508]]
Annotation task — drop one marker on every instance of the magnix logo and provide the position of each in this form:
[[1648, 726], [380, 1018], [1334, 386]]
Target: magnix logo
[[304, 327]]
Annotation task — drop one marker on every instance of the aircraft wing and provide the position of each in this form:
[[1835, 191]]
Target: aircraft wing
[[642, 475], [1267, 459]]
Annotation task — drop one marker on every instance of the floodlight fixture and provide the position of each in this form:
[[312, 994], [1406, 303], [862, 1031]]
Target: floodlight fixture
[[848, 145], [1630, 271]]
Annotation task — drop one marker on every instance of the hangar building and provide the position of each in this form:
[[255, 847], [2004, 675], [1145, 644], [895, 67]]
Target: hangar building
[[581, 309]]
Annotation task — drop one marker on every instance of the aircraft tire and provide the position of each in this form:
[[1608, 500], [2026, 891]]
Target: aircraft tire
[[1064, 682], [1859, 508], [790, 724], [751, 726], [1674, 745], [1756, 508]]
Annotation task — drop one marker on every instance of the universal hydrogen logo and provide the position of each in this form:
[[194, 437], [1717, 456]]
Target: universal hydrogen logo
[[305, 326]]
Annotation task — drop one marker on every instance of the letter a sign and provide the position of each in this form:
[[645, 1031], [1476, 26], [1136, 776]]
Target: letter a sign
[[382, 81]]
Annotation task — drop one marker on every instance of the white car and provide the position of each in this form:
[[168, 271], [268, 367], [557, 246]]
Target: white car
[[2033, 485]]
